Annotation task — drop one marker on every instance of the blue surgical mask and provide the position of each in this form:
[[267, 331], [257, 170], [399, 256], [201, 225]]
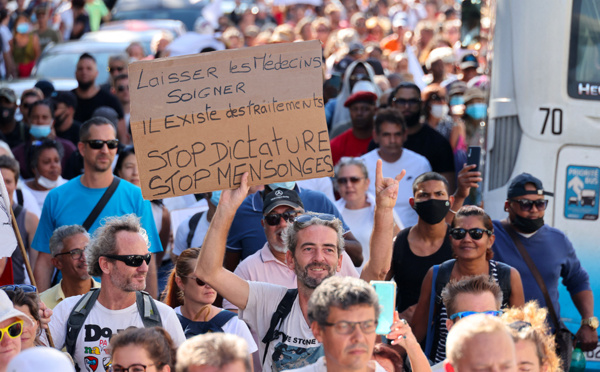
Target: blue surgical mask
[[214, 198], [477, 111], [23, 28], [457, 100], [283, 185], [40, 131]]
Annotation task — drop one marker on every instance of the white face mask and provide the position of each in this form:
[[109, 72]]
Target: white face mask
[[49, 184], [439, 111]]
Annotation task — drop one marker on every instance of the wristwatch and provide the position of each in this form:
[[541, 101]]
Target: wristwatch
[[591, 322]]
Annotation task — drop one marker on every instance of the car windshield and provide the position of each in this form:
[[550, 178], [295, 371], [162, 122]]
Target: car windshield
[[187, 16], [63, 65]]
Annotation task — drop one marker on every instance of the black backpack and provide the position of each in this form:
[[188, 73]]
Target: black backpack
[[145, 304], [192, 328], [193, 223]]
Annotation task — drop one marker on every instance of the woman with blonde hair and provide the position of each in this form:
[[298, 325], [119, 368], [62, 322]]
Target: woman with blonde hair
[[533, 341]]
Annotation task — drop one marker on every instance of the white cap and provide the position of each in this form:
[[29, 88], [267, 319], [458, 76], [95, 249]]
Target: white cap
[[445, 54], [41, 358], [364, 86], [7, 310]]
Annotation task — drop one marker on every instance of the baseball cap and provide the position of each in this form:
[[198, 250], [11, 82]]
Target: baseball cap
[[467, 61], [46, 87], [473, 93], [517, 186], [361, 96], [457, 87], [281, 197], [8, 311], [9, 94]]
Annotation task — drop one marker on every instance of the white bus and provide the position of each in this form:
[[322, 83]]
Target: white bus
[[544, 119]]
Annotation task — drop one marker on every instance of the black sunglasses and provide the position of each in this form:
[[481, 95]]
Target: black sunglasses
[[122, 88], [345, 180], [134, 260], [526, 205], [402, 102], [475, 234], [98, 144], [273, 219], [118, 69], [27, 288], [198, 281]]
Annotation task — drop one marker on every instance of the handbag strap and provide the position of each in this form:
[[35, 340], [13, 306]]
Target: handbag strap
[[534, 270], [430, 322], [89, 221]]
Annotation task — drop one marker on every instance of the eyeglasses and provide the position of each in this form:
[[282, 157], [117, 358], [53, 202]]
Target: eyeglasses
[[76, 253], [402, 102], [133, 260], [463, 314], [13, 330], [122, 88], [273, 219], [27, 288], [345, 180], [131, 368], [526, 204], [198, 281], [116, 68], [98, 144], [309, 216], [345, 328], [475, 234], [519, 325]]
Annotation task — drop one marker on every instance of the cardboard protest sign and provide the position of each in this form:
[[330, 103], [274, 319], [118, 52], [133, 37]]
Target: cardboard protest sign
[[199, 122]]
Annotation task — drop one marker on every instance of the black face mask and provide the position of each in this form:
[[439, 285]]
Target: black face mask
[[527, 225], [432, 211], [85, 86], [7, 115], [412, 120]]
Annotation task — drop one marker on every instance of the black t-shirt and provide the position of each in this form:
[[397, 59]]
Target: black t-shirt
[[410, 269], [86, 107], [71, 134], [432, 145], [16, 137]]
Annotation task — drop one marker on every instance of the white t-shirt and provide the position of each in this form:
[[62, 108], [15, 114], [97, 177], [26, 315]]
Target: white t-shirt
[[39, 195], [236, 327], [414, 164], [321, 366], [183, 230], [361, 223], [29, 201], [295, 345], [100, 324]]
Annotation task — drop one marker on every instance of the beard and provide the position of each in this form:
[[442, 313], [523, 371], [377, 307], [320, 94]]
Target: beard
[[126, 284], [309, 282], [413, 119], [85, 86]]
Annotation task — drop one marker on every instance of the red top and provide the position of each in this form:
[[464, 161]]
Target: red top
[[346, 144]]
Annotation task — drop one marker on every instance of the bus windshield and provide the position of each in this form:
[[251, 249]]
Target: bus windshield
[[584, 56]]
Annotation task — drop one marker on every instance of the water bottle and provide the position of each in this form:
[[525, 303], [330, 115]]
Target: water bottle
[[577, 360]]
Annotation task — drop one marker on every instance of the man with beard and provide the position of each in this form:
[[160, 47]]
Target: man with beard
[[65, 124], [90, 96], [73, 202], [11, 132], [268, 265], [355, 141], [549, 249], [67, 246], [119, 255], [315, 246], [422, 138]]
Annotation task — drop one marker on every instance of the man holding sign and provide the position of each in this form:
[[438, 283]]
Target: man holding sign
[[74, 202], [314, 252]]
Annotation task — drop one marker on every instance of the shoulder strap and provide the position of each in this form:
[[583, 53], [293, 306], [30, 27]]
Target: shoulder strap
[[283, 309], [503, 274], [192, 225], [20, 199], [17, 209], [430, 321], [147, 309], [77, 318], [223, 317], [89, 221], [534, 271], [443, 277]]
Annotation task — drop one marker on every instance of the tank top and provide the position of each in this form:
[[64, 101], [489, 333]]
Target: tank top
[[24, 54], [410, 269]]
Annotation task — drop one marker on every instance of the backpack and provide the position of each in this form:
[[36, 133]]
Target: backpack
[[193, 223], [192, 328], [145, 304], [283, 310]]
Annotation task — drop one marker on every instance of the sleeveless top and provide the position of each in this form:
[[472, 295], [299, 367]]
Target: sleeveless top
[[24, 54]]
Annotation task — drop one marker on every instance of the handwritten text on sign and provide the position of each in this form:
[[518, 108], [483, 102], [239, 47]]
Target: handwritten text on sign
[[199, 122]]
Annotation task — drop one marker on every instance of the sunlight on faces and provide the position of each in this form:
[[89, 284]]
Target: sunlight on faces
[[480, 302], [70, 267], [316, 257], [432, 189], [513, 208], [9, 347], [129, 170], [49, 164], [126, 356], [275, 233], [527, 357], [29, 330], [86, 71], [390, 138], [102, 159], [202, 295], [469, 248], [351, 351], [127, 278], [353, 192], [494, 351]]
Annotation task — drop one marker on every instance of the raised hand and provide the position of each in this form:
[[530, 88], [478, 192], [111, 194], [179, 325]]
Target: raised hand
[[466, 180], [386, 189], [233, 198]]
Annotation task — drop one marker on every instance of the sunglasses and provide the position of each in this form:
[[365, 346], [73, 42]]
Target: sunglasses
[[475, 234], [13, 331], [273, 219], [463, 314], [346, 180], [519, 325], [98, 144], [122, 88], [118, 69], [133, 260], [27, 288], [75, 253], [410, 102], [198, 281], [526, 204], [309, 216], [345, 328]]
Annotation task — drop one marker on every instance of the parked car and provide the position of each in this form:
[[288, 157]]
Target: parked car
[[175, 27], [144, 37], [186, 11]]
